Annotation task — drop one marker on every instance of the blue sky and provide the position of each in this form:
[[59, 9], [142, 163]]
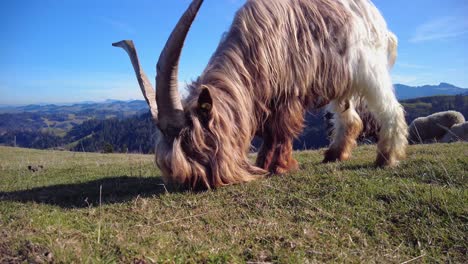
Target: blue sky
[[60, 51]]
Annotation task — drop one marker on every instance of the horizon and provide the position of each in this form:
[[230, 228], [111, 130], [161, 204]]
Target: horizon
[[64, 103], [110, 100], [61, 53]]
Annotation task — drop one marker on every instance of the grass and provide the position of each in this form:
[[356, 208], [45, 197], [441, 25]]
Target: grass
[[346, 212]]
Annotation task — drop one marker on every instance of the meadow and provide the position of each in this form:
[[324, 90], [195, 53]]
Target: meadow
[[106, 208]]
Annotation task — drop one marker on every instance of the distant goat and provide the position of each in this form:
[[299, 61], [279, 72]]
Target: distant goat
[[433, 127], [458, 132], [279, 59]]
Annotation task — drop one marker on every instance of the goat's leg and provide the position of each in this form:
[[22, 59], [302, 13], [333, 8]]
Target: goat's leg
[[266, 152], [347, 126], [276, 156], [383, 104], [280, 129], [283, 159]]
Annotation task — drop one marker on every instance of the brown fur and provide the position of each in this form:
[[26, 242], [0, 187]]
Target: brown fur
[[342, 149], [276, 156], [278, 59], [345, 132]]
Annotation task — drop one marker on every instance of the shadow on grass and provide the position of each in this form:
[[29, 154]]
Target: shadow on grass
[[80, 195], [352, 167]]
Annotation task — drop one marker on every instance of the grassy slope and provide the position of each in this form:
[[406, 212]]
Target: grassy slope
[[333, 212]]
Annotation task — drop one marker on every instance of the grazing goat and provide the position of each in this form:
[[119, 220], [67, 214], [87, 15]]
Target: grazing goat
[[458, 132], [432, 128], [278, 59]]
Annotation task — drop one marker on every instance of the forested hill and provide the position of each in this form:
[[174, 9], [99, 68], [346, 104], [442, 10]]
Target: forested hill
[[427, 105], [59, 119], [138, 133]]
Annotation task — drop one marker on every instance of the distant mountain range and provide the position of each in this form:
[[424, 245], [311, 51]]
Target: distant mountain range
[[129, 107], [59, 119], [133, 106], [408, 92], [137, 133]]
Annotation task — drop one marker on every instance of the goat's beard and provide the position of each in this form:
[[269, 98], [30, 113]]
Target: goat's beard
[[199, 159], [178, 169]]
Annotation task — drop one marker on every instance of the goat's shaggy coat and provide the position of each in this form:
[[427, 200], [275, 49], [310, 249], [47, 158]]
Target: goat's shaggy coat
[[279, 59], [432, 128], [458, 132]]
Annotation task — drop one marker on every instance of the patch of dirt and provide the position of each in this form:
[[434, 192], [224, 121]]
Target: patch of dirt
[[7, 255], [28, 252]]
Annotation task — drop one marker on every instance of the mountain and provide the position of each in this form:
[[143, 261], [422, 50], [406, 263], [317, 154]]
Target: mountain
[[132, 107], [138, 133], [59, 119], [128, 107], [94, 127], [407, 92], [425, 106]]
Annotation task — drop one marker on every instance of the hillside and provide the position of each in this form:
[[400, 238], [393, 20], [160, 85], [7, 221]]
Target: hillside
[[428, 105], [77, 108], [136, 133], [348, 212], [59, 119]]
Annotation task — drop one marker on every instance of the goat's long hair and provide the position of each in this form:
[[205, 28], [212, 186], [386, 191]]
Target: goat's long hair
[[278, 59]]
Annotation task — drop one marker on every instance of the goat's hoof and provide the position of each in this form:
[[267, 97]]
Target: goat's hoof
[[335, 156], [292, 166], [327, 160], [330, 156], [386, 161]]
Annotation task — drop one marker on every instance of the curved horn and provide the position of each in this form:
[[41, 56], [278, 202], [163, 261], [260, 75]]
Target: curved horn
[[171, 113], [145, 85]]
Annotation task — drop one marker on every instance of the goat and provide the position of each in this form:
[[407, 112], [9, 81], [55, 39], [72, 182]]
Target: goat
[[278, 59], [432, 128], [458, 132]]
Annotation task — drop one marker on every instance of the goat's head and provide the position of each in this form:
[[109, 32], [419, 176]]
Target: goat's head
[[189, 150]]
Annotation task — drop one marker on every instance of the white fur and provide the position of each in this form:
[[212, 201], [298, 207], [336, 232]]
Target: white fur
[[458, 132], [433, 127], [372, 54]]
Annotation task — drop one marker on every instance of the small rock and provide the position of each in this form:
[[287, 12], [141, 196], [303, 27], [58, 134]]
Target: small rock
[[34, 168]]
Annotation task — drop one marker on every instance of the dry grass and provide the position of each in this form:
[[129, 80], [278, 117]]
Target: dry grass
[[349, 212]]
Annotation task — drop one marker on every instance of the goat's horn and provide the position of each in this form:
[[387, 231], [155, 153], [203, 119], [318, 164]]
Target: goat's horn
[[171, 116], [145, 85]]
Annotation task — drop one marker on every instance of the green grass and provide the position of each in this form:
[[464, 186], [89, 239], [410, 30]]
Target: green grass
[[73, 144], [346, 212]]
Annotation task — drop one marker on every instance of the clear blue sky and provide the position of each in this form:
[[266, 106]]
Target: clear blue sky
[[60, 51]]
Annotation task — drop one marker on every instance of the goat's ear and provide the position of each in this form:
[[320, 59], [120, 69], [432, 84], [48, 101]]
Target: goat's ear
[[205, 102]]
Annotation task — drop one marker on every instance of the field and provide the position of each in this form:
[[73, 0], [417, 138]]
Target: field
[[105, 208]]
